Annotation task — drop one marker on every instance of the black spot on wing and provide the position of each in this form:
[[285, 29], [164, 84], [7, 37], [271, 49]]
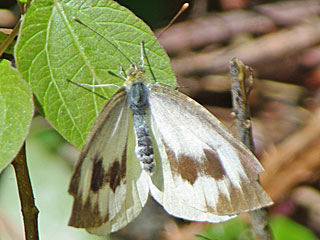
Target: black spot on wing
[[116, 172], [97, 174], [123, 163], [113, 175]]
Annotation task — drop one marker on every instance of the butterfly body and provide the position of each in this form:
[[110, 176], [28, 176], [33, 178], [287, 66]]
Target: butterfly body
[[150, 139], [138, 102]]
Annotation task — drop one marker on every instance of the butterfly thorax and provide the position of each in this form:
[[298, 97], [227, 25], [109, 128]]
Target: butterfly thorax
[[135, 74], [138, 102]]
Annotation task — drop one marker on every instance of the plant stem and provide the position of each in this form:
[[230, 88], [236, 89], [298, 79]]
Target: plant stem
[[10, 38], [240, 74], [28, 207]]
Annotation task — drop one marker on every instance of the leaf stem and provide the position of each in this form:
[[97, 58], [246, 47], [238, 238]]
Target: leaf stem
[[28, 207], [10, 38]]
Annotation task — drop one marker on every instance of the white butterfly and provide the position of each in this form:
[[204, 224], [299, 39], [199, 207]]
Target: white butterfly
[[152, 139]]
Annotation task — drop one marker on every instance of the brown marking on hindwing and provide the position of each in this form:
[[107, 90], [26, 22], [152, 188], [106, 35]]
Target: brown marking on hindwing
[[238, 200], [86, 215], [190, 168], [187, 168], [184, 166], [212, 166]]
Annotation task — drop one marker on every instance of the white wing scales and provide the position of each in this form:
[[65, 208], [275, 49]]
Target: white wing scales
[[204, 168], [108, 182]]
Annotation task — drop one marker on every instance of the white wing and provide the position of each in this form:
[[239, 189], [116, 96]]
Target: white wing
[[207, 174], [108, 184]]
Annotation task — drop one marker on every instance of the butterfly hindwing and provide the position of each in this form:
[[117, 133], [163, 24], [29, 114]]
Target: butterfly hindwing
[[136, 195], [106, 184], [204, 168]]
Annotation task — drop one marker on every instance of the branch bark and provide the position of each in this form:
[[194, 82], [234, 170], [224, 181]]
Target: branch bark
[[239, 76]]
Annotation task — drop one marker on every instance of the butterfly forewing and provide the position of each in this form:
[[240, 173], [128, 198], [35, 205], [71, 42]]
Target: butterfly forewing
[[204, 167], [105, 180]]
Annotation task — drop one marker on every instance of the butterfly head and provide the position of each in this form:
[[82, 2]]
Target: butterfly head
[[135, 73]]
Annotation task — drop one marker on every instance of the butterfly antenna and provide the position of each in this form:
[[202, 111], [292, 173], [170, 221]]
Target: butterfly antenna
[[182, 9], [144, 55], [112, 44], [143, 50]]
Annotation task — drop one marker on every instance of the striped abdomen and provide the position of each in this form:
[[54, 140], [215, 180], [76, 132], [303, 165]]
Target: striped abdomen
[[138, 100]]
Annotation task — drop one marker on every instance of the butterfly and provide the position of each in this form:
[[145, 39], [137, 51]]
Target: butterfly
[[150, 139]]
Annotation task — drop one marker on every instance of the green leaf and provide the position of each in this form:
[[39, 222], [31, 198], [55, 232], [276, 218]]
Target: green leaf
[[231, 230], [16, 111], [52, 47], [284, 228]]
